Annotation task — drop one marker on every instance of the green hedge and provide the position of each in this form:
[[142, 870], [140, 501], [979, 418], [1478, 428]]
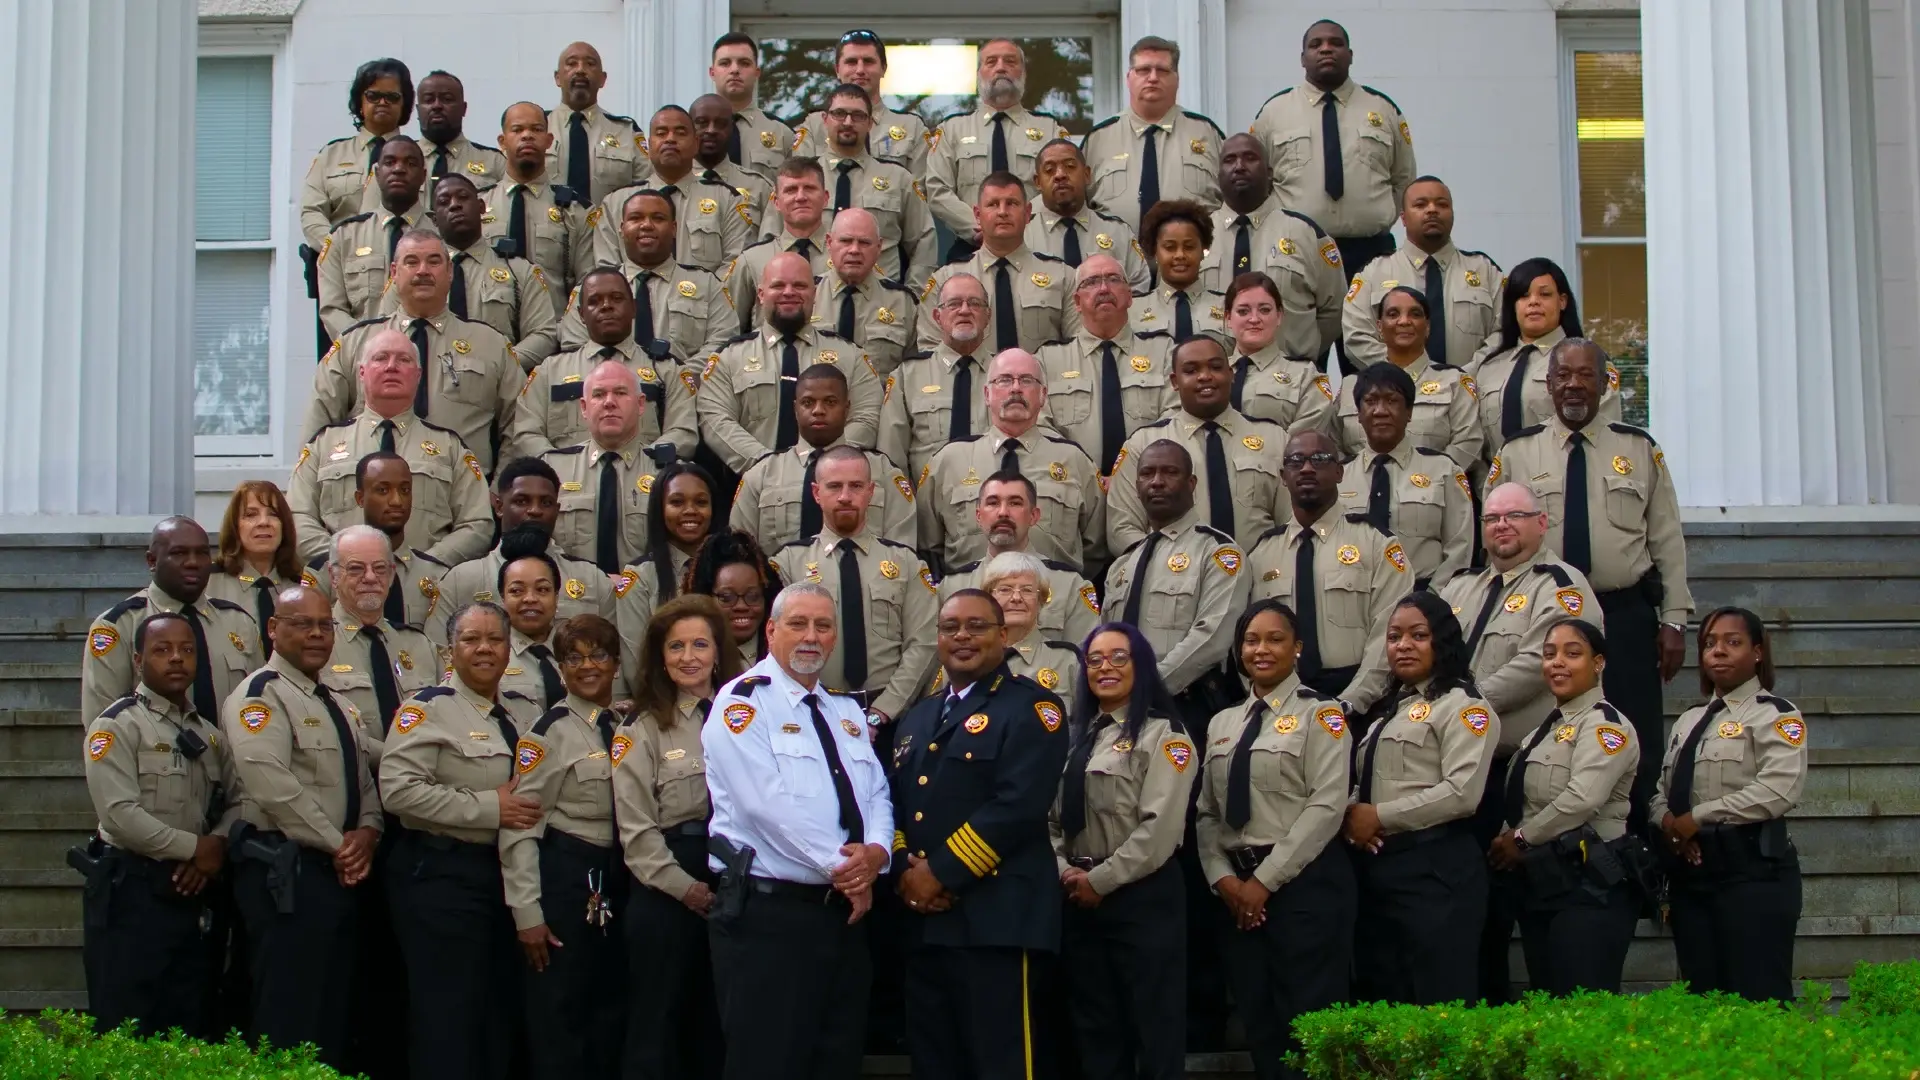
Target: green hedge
[[63, 1046], [1666, 1034]]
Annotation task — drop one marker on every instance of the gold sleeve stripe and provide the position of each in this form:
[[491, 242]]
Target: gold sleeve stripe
[[992, 855], [976, 851], [899, 840], [966, 857]]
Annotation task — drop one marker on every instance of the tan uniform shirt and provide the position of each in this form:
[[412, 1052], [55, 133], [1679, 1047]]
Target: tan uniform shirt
[[1751, 766], [1471, 305], [1581, 774], [902, 136], [889, 192], [1069, 608], [451, 518], [153, 800], [1158, 310], [1072, 527], [1376, 156], [1054, 664], [897, 597], [962, 156], [1289, 392], [473, 379], [690, 311], [523, 675], [917, 419], [764, 141], [1493, 367], [1253, 449], [1186, 148], [1075, 370], [445, 755], [1430, 760], [349, 674], [293, 764], [740, 281], [1359, 574], [485, 166], [1429, 507], [244, 589], [885, 313], [636, 593], [1528, 600], [739, 403], [508, 294], [1192, 590], [584, 590], [577, 530], [754, 189], [616, 144], [1099, 232], [714, 223], [354, 263], [557, 230], [1445, 414], [566, 764], [659, 782], [1136, 802], [1633, 514], [548, 415], [416, 574], [334, 186], [768, 502], [106, 668], [1300, 258], [1298, 773], [1042, 290]]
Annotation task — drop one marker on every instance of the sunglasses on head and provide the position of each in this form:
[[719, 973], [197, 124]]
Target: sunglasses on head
[[865, 36]]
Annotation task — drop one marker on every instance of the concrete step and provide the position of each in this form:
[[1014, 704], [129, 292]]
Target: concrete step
[[1893, 543], [1796, 584], [40, 687], [1835, 721], [1806, 673], [79, 596]]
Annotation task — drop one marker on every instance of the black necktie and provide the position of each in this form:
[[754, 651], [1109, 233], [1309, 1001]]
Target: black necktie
[[1436, 311], [1240, 769], [1070, 244], [373, 150], [503, 721], [1242, 245], [606, 540], [1380, 496], [517, 222], [1513, 413], [349, 754], [1680, 791], [457, 294], [1239, 394], [1330, 147], [386, 689], [418, 332], [1576, 533], [385, 428], [579, 158], [1137, 585], [1113, 418], [843, 186], [803, 247], [1010, 456], [606, 720], [1515, 806], [850, 818], [1306, 604], [205, 701], [960, 423], [809, 506], [733, 140], [551, 688], [1182, 317], [999, 142], [1372, 744], [643, 332], [1006, 322], [395, 226], [1495, 588], [1219, 481], [439, 162], [1073, 783], [845, 326], [263, 609], [853, 619], [1149, 171], [788, 430]]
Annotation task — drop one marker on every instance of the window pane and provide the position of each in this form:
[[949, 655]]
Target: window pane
[[233, 127], [797, 73], [1613, 308], [1611, 127], [230, 342]]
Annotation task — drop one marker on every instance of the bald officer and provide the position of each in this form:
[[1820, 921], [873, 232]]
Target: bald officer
[[546, 221], [1031, 294], [1342, 153], [1462, 287], [862, 305], [594, 151], [1254, 232], [939, 396], [998, 135], [1068, 227], [1155, 149], [606, 482], [1105, 382]]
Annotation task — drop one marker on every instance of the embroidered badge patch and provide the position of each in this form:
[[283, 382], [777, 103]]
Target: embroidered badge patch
[[1178, 751], [1792, 730], [1088, 598], [255, 716], [1476, 719], [1570, 600], [1612, 739], [102, 640], [1333, 720], [621, 744], [408, 718], [1049, 714], [527, 756], [99, 744], [737, 716], [1227, 559], [1397, 555]]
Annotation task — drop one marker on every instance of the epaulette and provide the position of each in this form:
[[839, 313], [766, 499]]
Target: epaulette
[[486, 149], [566, 196], [1309, 692], [516, 694], [840, 693], [964, 439], [341, 139], [916, 356], [894, 543], [889, 159], [131, 603], [1269, 101], [437, 427], [691, 268], [1362, 519], [1557, 572], [377, 319], [717, 183], [574, 449], [1048, 115], [952, 116], [1385, 98], [319, 562], [630, 122], [1429, 451], [1201, 526], [1277, 530], [825, 333], [751, 683], [1780, 704], [258, 684], [118, 707], [738, 338], [228, 605], [1148, 291], [756, 243], [1317, 230], [344, 222], [1261, 420], [485, 188], [1050, 437], [1162, 422], [546, 721], [431, 692], [1130, 547], [1044, 257], [1614, 714], [1108, 122], [1629, 429], [1056, 564], [1056, 341], [1484, 255], [1153, 333], [1070, 647], [1207, 120], [424, 557], [889, 283], [1530, 429], [1104, 216], [328, 427]]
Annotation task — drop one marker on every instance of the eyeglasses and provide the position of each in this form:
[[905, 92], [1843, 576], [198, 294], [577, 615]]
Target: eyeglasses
[[382, 97], [300, 624], [844, 115], [1511, 517], [360, 569], [1144, 70], [1022, 592], [965, 304], [1320, 459], [1102, 281], [598, 658], [1002, 382], [1117, 659], [973, 627], [751, 598]]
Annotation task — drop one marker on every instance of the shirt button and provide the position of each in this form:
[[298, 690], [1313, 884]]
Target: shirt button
[[917, 815], [923, 779], [931, 747], [969, 755]]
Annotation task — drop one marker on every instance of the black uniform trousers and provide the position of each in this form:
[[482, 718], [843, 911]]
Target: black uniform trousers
[[1578, 939], [1207, 1004], [1632, 680], [792, 979], [1736, 935], [142, 949], [1296, 962], [1503, 897], [463, 961], [303, 961], [380, 978], [970, 1012], [1423, 899], [1126, 964], [576, 1008], [673, 1025]]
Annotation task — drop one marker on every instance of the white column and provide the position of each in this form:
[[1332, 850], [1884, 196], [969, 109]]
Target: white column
[[1199, 27], [96, 290], [1763, 314], [669, 47]]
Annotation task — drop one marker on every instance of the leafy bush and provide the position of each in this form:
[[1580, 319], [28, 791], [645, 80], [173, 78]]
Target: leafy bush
[[1669, 1034], [63, 1046]]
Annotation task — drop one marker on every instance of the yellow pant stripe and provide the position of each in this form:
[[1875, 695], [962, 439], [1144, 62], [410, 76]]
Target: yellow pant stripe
[[1026, 1016]]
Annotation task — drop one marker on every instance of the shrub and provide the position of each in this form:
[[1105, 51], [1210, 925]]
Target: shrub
[[63, 1046]]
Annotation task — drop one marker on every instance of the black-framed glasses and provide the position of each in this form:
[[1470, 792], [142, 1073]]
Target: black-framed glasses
[[1319, 459], [600, 657], [973, 627], [751, 598], [844, 115]]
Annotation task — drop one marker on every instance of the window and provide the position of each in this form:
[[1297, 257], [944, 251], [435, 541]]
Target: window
[[234, 257], [1608, 204]]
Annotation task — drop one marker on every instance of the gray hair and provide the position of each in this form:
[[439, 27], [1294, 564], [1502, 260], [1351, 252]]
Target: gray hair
[[1150, 43], [1013, 564], [417, 236], [374, 342], [1569, 344], [790, 593], [486, 607], [358, 532], [940, 294]]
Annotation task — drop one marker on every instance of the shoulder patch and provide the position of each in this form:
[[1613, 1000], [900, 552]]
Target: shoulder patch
[[1049, 714], [627, 578], [101, 640], [1089, 597], [527, 756], [737, 716], [1397, 555], [1792, 729], [98, 744], [1476, 719], [255, 715], [1612, 739], [1179, 752], [408, 718], [1331, 718], [1572, 601]]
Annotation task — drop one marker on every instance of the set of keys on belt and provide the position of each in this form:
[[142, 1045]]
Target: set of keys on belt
[[599, 911]]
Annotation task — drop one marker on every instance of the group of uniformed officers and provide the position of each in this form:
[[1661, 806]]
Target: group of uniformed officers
[[680, 633]]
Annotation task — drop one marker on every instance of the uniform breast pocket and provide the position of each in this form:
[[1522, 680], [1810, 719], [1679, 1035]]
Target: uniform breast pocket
[[1550, 493], [973, 164], [1431, 425], [1293, 155], [344, 182], [1058, 502], [681, 782], [316, 758], [888, 610], [1402, 752], [1423, 511], [758, 394], [366, 276], [1110, 181], [163, 779], [1253, 486], [1040, 315], [686, 326], [1549, 770], [472, 382], [1199, 172], [1144, 400], [1344, 597], [1276, 763], [1111, 791], [1172, 597], [336, 490], [1726, 755], [433, 487], [704, 244], [1473, 316], [1376, 147], [588, 791], [482, 764], [1626, 503], [800, 765], [1071, 403], [889, 336]]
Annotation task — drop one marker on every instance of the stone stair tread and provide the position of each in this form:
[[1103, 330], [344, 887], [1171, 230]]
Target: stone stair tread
[[40, 718], [39, 939], [1814, 704], [1893, 755], [40, 671], [63, 878], [1777, 617], [1854, 808], [132, 580], [23, 821], [37, 770], [1795, 569], [35, 1000]]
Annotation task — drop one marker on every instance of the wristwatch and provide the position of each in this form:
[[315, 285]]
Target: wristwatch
[[1520, 841], [1676, 628]]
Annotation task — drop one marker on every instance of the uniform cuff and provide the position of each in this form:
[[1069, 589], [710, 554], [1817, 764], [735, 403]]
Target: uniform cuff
[[180, 846], [1100, 879], [528, 916], [672, 882]]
